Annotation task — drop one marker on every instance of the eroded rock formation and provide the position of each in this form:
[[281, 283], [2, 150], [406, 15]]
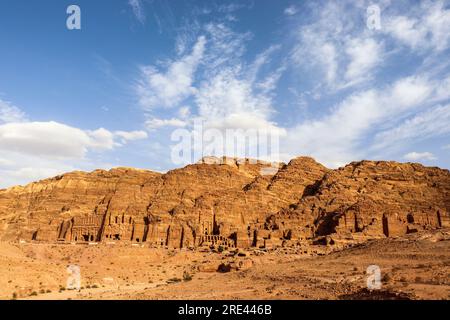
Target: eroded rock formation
[[229, 202]]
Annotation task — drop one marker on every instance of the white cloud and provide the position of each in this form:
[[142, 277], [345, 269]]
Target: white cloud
[[5, 162], [138, 10], [34, 174], [24, 168], [406, 30], [225, 49], [333, 46], [290, 11], [101, 139], [233, 94], [227, 101], [131, 135], [315, 45], [338, 52], [335, 138], [427, 29], [155, 123], [332, 139], [442, 89], [56, 140], [52, 139], [313, 50], [10, 113], [432, 122], [36, 150], [409, 91], [260, 61], [416, 156], [156, 89], [226, 93], [269, 83], [365, 55]]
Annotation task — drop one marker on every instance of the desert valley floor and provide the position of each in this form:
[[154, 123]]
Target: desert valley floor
[[415, 266]]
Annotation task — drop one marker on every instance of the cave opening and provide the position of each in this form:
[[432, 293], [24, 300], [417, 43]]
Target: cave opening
[[439, 219], [385, 226]]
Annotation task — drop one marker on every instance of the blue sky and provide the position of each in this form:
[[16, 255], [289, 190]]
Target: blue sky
[[313, 73]]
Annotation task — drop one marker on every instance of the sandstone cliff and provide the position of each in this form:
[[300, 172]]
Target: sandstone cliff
[[229, 202]]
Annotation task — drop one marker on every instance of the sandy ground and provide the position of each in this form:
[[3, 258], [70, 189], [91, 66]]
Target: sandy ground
[[416, 266]]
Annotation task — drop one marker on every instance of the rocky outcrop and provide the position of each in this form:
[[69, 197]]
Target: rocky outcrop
[[229, 203], [371, 198]]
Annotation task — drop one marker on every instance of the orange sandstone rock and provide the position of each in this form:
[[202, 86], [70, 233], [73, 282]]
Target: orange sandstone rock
[[229, 203]]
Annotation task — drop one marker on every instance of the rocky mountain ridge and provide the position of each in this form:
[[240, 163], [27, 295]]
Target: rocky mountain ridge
[[230, 202]]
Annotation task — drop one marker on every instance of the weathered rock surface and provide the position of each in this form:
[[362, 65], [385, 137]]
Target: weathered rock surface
[[230, 203], [373, 198]]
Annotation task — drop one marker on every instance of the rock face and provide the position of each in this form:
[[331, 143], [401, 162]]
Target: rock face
[[230, 203], [372, 198]]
